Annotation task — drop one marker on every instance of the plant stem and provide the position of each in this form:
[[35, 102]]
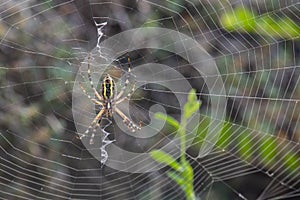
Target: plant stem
[[187, 174], [182, 140]]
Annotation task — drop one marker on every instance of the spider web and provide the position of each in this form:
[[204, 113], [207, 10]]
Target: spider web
[[44, 47]]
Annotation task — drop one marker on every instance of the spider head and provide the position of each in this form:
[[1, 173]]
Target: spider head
[[107, 79]]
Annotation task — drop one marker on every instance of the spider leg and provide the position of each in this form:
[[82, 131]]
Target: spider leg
[[94, 125], [132, 126], [91, 81], [88, 96], [126, 81], [119, 100]]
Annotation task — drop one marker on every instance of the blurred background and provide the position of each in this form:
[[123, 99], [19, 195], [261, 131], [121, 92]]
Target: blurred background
[[255, 45]]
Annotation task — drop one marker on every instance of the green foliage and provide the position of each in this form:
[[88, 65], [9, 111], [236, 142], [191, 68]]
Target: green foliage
[[282, 27], [245, 20], [165, 158], [191, 106], [245, 145], [239, 19], [268, 150], [243, 142], [292, 163], [170, 120], [264, 150], [224, 138], [182, 172]]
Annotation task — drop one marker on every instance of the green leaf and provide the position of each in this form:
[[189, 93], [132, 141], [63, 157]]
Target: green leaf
[[192, 105], [289, 28], [292, 162], [283, 27], [267, 25], [192, 96], [245, 144], [245, 20], [165, 158], [187, 172], [170, 120], [268, 150], [240, 19], [202, 130], [177, 178], [225, 137], [183, 174]]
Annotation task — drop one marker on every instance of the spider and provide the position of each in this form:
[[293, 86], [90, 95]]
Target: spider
[[108, 99]]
